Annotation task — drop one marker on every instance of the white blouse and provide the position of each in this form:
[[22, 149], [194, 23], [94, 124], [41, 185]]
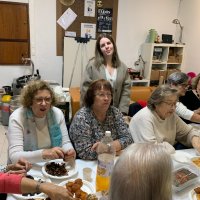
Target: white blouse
[[111, 78]]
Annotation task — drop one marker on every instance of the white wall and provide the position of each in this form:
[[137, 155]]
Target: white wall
[[190, 16], [135, 18]]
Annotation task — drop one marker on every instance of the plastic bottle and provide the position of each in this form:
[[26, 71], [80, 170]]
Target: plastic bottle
[[106, 157], [5, 109], [152, 35]]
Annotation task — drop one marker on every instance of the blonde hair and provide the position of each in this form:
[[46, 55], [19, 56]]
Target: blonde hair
[[142, 172]]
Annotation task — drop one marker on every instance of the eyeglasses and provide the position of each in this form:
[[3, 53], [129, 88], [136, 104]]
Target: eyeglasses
[[102, 95], [170, 104], [39, 100], [185, 85]]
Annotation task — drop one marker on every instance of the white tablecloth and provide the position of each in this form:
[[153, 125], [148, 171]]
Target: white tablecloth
[[182, 195], [37, 170]]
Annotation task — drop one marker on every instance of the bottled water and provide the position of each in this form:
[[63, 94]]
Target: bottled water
[[106, 157]]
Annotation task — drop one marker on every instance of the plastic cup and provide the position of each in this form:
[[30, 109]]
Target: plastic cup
[[87, 174]]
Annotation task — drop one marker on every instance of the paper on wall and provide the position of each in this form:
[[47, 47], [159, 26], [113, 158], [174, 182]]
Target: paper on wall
[[88, 30], [67, 18], [89, 8]]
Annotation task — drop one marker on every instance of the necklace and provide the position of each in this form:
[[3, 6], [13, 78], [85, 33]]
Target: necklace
[[197, 94]]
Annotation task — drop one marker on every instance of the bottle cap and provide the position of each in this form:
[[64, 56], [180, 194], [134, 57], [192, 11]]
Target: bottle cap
[[6, 98], [108, 133]]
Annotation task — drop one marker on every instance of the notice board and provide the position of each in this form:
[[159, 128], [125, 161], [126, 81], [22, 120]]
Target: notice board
[[78, 8]]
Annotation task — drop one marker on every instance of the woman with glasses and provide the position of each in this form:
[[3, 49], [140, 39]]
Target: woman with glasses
[[107, 65], [191, 99], [97, 116], [158, 122], [186, 111], [37, 130]]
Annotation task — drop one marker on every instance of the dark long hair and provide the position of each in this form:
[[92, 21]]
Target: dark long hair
[[99, 59]]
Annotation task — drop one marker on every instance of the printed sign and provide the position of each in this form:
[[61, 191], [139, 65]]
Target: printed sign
[[104, 20]]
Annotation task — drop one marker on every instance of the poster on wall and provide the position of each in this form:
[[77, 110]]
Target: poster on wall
[[89, 8], [88, 30], [104, 20]]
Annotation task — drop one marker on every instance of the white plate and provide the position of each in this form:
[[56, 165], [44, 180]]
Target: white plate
[[181, 157], [39, 196], [87, 186], [192, 195], [71, 172]]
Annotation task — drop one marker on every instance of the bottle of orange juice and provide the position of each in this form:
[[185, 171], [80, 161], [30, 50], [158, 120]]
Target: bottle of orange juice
[[106, 157]]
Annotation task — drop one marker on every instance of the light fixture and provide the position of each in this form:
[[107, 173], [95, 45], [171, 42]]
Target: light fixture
[[176, 21]]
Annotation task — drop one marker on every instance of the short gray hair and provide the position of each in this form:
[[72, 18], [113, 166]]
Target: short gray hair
[[177, 78], [159, 95], [141, 172]]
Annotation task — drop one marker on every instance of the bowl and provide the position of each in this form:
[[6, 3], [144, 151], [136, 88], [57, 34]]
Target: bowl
[[70, 171]]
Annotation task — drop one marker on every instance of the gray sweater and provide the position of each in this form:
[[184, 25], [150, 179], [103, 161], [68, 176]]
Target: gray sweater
[[121, 88]]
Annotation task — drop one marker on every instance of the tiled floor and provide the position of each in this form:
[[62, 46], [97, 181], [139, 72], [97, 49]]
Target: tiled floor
[[3, 145]]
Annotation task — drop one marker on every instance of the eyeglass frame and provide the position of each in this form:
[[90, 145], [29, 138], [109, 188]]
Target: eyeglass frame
[[40, 100], [185, 85], [170, 104], [102, 95]]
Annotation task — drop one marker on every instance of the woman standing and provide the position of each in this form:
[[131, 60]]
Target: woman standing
[[107, 65], [37, 130]]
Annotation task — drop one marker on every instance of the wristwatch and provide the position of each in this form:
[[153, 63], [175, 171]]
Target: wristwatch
[[3, 168]]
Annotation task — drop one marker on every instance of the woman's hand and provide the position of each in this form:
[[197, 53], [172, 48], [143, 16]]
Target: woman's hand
[[95, 146], [197, 111], [55, 192], [196, 143], [71, 153], [53, 153], [21, 167]]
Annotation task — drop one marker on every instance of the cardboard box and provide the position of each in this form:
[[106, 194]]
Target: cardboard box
[[163, 73], [171, 59], [170, 71], [154, 74], [179, 58]]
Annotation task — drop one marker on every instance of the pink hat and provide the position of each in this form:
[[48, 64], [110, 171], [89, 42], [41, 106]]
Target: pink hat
[[191, 75]]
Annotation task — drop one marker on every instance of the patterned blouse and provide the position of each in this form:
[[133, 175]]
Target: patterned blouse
[[85, 130]]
